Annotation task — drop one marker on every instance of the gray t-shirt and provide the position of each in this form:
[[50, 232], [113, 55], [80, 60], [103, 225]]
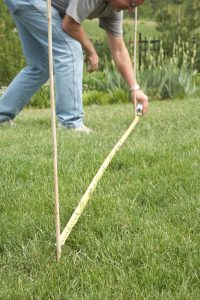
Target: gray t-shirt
[[79, 10]]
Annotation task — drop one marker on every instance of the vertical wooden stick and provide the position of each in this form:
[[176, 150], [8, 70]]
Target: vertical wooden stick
[[135, 58], [54, 139]]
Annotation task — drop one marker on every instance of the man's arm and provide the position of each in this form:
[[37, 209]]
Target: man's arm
[[123, 63], [76, 31]]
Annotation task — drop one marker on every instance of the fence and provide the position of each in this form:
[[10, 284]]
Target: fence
[[154, 46], [144, 45]]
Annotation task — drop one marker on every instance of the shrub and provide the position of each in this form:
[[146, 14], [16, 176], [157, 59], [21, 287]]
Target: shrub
[[162, 77], [107, 80], [42, 98], [11, 58], [93, 97], [91, 81], [180, 22], [100, 97]]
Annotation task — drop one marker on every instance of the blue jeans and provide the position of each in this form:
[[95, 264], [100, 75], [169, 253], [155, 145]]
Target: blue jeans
[[30, 17]]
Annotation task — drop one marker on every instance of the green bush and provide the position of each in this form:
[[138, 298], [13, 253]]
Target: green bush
[[42, 98], [11, 58], [93, 97], [91, 81], [100, 97], [168, 82], [107, 80], [175, 77], [180, 22]]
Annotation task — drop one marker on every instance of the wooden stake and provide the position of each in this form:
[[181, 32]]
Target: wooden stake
[[54, 139], [135, 59]]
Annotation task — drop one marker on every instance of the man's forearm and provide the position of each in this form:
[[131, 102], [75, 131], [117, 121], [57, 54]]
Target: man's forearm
[[124, 65], [122, 59]]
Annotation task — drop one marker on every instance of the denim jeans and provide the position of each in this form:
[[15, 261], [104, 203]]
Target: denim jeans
[[30, 17]]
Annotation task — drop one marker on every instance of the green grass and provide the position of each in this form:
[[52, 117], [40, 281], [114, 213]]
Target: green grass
[[93, 30], [139, 237], [147, 28]]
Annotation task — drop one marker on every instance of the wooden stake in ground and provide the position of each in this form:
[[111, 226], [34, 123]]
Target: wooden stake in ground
[[135, 60], [54, 139]]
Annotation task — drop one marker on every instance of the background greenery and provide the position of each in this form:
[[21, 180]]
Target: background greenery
[[139, 235]]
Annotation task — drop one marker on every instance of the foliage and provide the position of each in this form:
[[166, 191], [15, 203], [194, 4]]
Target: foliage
[[168, 81], [11, 59], [42, 98], [180, 22], [111, 79], [100, 97], [162, 77], [138, 238], [104, 87], [101, 45], [149, 8]]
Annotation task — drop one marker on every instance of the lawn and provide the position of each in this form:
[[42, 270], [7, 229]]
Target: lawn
[[139, 237], [147, 28]]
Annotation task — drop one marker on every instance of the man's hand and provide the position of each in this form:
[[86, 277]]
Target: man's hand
[[141, 98], [93, 60]]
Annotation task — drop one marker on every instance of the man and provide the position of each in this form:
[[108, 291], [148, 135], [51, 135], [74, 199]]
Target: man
[[69, 38]]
